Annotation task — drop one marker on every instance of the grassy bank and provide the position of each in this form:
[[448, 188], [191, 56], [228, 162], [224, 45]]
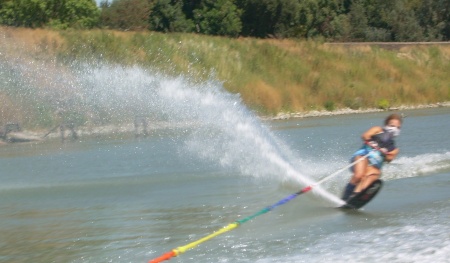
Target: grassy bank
[[272, 76], [283, 75]]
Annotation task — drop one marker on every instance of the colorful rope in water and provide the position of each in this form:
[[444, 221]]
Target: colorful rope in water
[[175, 252]]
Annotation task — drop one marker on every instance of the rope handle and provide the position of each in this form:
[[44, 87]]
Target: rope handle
[[375, 147]]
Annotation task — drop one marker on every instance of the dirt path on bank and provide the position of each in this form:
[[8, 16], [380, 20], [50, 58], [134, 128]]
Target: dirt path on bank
[[387, 45]]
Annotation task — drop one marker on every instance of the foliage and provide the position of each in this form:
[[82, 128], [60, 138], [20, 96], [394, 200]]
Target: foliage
[[126, 14], [404, 26], [329, 105], [218, 17], [54, 13], [383, 104], [28, 13], [332, 20], [358, 21], [168, 16], [260, 18]]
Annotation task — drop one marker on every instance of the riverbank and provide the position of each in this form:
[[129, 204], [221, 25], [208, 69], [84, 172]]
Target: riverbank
[[128, 130], [284, 116], [102, 77]]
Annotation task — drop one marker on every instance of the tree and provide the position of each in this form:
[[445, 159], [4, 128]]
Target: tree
[[126, 14], [358, 22], [341, 28], [168, 16], [56, 13], [218, 17], [73, 13], [307, 16], [403, 23], [258, 17], [2, 3], [434, 18], [321, 14], [272, 18], [27, 13], [287, 19]]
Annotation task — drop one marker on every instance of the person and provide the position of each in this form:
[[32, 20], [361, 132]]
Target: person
[[379, 147]]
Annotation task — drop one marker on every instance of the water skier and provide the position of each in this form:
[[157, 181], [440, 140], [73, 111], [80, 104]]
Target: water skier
[[379, 146]]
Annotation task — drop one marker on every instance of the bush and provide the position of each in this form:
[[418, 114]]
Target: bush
[[329, 106], [383, 104], [354, 103]]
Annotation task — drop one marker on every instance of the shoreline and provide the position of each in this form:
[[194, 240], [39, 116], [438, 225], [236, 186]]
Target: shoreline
[[29, 136], [347, 111]]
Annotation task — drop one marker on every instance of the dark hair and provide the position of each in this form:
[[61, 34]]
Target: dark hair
[[393, 116]]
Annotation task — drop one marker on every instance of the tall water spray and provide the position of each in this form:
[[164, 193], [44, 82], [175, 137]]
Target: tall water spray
[[219, 128], [222, 129]]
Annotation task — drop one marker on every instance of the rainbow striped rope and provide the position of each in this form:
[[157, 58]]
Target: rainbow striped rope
[[179, 250]]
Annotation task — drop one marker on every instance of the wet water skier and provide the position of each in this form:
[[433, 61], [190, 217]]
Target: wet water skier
[[379, 146]]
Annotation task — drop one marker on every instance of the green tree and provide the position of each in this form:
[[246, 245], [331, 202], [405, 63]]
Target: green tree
[[378, 28], [445, 13], [272, 18], [126, 14], [257, 17], [168, 16], [287, 19], [434, 18], [358, 22], [2, 2], [307, 16], [341, 28], [27, 13], [403, 23], [322, 13], [189, 6], [57, 13], [218, 17], [376, 12], [73, 13]]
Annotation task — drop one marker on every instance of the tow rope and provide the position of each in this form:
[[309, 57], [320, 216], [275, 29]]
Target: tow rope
[[179, 250]]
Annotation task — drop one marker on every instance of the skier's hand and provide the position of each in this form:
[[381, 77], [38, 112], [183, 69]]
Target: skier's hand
[[373, 144], [384, 151]]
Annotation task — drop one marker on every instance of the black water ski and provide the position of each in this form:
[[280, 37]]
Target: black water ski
[[364, 197]]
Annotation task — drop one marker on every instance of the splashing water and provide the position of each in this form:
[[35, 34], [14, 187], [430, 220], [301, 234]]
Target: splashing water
[[224, 130], [423, 164], [218, 126]]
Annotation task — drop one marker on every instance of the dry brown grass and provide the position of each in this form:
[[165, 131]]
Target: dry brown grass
[[259, 93], [271, 75], [32, 39]]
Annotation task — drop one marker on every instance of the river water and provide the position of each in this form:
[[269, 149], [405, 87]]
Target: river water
[[121, 199]]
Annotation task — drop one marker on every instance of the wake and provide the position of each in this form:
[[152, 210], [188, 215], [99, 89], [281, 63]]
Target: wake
[[420, 165]]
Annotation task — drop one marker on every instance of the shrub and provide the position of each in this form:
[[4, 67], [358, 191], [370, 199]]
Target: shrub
[[329, 106], [383, 104]]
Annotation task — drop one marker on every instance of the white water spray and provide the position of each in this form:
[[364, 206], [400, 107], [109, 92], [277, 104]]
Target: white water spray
[[219, 127], [225, 131]]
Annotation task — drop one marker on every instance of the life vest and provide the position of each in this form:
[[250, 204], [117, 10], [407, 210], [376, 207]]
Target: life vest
[[384, 140], [376, 158]]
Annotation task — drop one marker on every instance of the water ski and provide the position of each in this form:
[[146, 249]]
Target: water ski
[[359, 200]]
